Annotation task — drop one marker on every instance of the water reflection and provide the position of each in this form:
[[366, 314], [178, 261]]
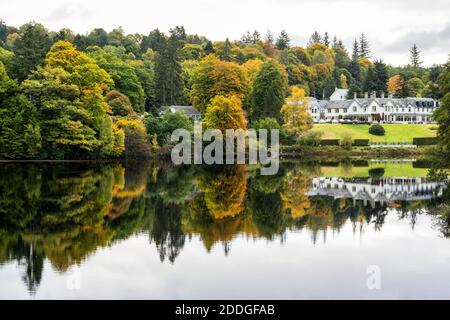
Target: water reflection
[[62, 213]]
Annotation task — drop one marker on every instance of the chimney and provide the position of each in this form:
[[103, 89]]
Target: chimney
[[382, 95], [355, 96], [390, 96], [366, 95], [373, 95]]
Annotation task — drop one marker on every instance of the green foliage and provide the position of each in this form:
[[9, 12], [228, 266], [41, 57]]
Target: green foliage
[[164, 126], [310, 138], [330, 142], [20, 136], [377, 130], [168, 70], [123, 74], [136, 141], [269, 91], [119, 103], [427, 141], [346, 141], [361, 142], [266, 123], [442, 116], [68, 94], [29, 48]]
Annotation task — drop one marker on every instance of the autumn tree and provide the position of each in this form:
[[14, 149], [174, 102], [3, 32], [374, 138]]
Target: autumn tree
[[119, 103], [297, 119], [414, 87], [68, 94], [225, 113], [395, 84], [214, 77], [268, 91]]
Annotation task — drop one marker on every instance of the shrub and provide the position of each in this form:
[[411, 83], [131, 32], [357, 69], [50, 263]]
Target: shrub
[[330, 142], [267, 124], [361, 142], [377, 130], [376, 173], [428, 141], [310, 138], [346, 141], [164, 126]]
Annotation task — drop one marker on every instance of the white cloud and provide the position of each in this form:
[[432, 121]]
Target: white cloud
[[392, 26]]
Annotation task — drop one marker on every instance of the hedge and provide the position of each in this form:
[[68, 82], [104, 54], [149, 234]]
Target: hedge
[[361, 142], [428, 141], [329, 142]]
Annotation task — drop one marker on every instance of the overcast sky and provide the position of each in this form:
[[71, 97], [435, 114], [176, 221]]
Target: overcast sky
[[392, 26]]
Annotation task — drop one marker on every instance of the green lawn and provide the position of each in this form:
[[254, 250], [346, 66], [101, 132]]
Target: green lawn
[[391, 169], [394, 132]]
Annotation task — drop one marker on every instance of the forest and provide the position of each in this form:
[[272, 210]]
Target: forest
[[65, 95]]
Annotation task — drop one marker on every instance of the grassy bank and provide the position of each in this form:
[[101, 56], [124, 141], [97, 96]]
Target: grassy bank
[[399, 133]]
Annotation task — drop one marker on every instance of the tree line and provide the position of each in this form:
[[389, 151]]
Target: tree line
[[96, 95]]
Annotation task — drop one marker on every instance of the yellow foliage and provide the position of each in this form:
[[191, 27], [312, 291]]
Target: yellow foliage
[[395, 84], [295, 111], [225, 113], [294, 194]]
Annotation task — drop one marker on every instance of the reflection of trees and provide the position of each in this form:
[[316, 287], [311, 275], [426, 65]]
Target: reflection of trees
[[64, 212], [224, 190], [294, 195], [55, 212]]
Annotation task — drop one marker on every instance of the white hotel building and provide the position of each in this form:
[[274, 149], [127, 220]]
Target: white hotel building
[[371, 109]]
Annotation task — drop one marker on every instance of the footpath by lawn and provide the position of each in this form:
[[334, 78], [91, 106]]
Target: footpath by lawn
[[395, 133]]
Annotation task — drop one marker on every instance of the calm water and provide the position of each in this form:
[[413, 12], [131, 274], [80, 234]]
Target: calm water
[[153, 231]]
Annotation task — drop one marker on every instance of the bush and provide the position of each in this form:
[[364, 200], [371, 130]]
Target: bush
[[310, 138], [429, 141], [330, 142], [376, 173], [361, 142], [377, 130], [346, 141], [164, 126]]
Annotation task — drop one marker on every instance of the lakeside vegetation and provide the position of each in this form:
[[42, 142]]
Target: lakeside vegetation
[[95, 96]]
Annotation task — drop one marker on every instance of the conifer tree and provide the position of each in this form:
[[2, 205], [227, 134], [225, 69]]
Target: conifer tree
[[415, 56]]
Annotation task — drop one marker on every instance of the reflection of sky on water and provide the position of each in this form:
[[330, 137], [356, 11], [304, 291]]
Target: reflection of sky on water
[[414, 264]]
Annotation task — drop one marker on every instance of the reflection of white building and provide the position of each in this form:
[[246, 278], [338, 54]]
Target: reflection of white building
[[382, 109], [382, 190]]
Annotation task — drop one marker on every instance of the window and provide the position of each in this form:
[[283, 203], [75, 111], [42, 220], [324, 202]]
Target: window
[[374, 109], [328, 110], [344, 110], [337, 110], [354, 109]]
